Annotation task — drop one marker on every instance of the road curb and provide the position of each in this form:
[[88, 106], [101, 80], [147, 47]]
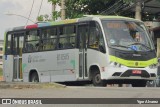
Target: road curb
[[18, 85]]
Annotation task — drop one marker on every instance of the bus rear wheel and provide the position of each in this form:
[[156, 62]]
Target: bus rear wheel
[[139, 84], [34, 77], [97, 81]]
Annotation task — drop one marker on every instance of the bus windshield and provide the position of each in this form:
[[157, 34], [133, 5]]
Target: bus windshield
[[127, 35]]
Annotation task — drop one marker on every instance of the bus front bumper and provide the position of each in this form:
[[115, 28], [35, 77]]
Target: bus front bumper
[[111, 73]]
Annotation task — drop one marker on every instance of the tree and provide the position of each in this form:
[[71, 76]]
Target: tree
[[55, 14], [40, 18], [46, 17], [78, 8]]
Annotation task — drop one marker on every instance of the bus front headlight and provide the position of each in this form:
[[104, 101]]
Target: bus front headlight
[[115, 64]]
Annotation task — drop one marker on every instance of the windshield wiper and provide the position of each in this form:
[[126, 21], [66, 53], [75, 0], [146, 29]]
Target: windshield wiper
[[127, 47], [137, 43]]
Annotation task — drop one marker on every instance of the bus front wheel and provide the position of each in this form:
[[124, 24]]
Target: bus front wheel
[[34, 77], [97, 81]]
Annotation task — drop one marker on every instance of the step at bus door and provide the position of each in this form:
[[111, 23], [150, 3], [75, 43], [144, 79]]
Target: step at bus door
[[82, 44], [18, 41]]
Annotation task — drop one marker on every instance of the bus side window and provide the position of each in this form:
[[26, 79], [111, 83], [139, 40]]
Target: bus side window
[[96, 40], [93, 37], [53, 38], [31, 41], [61, 38], [102, 44], [9, 44], [67, 37], [49, 39]]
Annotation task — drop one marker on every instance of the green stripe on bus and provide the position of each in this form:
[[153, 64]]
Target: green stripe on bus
[[73, 63], [64, 22], [133, 63], [23, 67]]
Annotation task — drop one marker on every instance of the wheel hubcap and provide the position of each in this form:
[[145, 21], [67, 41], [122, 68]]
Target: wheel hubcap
[[97, 78], [35, 80]]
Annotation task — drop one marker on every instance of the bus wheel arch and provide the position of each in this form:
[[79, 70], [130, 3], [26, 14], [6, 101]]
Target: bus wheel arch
[[95, 76], [33, 76]]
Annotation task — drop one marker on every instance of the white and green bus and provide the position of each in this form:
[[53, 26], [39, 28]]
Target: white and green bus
[[101, 49]]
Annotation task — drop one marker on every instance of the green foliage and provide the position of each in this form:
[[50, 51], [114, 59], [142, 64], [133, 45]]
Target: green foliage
[[43, 18], [46, 17], [55, 14], [54, 1], [77, 8], [40, 18]]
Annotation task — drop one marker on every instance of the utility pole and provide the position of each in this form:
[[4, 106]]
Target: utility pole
[[138, 10], [63, 7], [53, 10]]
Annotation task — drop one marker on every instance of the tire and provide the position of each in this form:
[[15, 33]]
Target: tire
[[158, 82], [96, 79], [151, 83], [139, 84], [34, 77]]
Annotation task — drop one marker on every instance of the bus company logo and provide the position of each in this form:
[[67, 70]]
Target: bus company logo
[[29, 59], [136, 63], [21, 101], [6, 101]]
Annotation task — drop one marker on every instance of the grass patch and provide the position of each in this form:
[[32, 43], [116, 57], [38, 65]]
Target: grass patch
[[1, 73]]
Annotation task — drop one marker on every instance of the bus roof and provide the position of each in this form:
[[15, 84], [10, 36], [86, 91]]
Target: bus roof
[[69, 21], [111, 17]]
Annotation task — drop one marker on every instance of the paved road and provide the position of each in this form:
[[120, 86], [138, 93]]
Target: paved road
[[83, 92]]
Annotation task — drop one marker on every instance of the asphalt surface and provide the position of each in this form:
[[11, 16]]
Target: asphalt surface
[[81, 92]]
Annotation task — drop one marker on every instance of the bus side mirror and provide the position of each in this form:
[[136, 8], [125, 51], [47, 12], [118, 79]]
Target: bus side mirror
[[102, 49]]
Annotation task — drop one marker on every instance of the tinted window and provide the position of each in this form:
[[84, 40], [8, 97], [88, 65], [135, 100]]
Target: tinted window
[[32, 41], [8, 44], [49, 39], [67, 37]]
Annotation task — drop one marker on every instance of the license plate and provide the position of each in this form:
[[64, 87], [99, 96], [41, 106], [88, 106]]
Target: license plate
[[136, 72]]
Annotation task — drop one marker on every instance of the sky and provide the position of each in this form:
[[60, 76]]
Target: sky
[[20, 7]]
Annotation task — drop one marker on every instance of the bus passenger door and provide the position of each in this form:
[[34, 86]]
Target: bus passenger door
[[18, 41], [82, 44], [8, 58]]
